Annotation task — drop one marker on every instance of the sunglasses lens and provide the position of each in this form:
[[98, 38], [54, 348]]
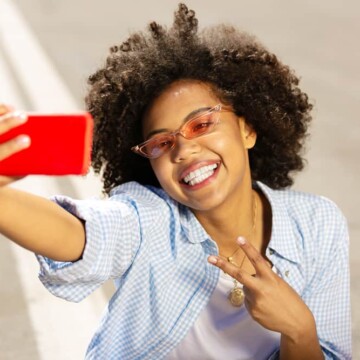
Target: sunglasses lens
[[158, 145], [201, 125]]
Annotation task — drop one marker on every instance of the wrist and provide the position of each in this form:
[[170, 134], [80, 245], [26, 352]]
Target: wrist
[[302, 342], [302, 331]]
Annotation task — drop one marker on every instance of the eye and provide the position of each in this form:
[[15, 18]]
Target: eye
[[161, 142], [201, 124]]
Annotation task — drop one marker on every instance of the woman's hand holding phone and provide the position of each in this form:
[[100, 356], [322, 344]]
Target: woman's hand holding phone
[[10, 119], [44, 144], [23, 139]]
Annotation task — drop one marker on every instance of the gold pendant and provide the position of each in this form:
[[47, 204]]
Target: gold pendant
[[236, 296]]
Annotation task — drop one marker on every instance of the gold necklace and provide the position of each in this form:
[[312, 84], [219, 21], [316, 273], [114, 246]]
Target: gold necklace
[[236, 295]]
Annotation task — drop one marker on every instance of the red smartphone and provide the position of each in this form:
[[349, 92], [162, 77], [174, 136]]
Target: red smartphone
[[60, 145]]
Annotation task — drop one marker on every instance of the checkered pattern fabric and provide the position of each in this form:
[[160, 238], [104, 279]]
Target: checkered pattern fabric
[[156, 251]]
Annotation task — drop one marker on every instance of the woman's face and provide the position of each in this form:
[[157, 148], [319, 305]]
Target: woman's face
[[216, 163]]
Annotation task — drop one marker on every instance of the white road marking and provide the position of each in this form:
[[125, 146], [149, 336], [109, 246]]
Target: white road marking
[[62, 329]]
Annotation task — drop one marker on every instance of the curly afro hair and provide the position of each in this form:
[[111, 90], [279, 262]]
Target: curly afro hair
[[242, 73]]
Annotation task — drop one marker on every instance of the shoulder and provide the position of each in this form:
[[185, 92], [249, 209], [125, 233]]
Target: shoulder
[[133, 191], [146, 200], [306, 209], [309, 230], [313, 211], [315, 221]]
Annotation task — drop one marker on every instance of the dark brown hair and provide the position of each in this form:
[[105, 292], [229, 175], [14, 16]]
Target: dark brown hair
[[240, 70]]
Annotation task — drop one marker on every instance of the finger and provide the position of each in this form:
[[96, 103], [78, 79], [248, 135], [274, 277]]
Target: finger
[[248, 304], [257, 260], [13, 146], [234, 271], [5, 109], [250, 294], [5, 180], [10, 120]]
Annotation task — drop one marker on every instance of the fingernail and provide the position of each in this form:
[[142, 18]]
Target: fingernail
[[212, 259], [241, 240], [5, 116], [23, 140], [20, 116]]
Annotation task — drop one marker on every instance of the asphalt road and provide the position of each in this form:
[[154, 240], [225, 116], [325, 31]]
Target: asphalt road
[[317, 39]]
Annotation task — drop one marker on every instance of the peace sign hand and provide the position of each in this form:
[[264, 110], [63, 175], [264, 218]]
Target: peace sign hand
[[268, 298]]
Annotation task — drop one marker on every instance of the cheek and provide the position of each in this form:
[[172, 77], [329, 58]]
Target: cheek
[[233, 153], [162, 171], [230, 144]]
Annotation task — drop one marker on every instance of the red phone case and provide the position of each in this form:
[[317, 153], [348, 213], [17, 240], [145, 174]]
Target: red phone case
[[60, 145]]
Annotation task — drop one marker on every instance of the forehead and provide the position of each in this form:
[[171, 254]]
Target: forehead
[[178, 100]]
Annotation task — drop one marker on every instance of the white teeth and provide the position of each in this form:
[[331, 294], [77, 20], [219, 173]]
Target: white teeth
[[199, 175]]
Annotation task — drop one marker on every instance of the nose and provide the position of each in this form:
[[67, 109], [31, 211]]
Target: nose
[[184, 148]]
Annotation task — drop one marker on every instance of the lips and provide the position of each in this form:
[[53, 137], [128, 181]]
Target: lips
[[199, 173]]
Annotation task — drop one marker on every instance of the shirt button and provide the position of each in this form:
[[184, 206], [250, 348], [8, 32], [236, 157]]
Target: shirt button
[[287, 272]]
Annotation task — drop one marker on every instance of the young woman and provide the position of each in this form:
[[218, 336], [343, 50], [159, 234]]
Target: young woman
[[196, 138]]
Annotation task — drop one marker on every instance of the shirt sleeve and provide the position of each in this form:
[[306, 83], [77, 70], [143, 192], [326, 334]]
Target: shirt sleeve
[[113, 234], [329, 293]]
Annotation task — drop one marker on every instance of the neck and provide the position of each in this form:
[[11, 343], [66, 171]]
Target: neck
[[236, 218]]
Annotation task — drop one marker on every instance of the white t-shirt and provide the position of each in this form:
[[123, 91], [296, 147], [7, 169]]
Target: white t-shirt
[[224, 331]]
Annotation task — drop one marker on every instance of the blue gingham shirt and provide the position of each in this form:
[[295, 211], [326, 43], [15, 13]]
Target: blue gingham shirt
[[156, 251]]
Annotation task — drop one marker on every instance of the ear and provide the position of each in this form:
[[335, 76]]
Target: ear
[[248, 133]]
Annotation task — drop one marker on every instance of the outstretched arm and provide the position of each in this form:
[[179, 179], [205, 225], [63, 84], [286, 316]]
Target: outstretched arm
[[40, 225], [35, 223]]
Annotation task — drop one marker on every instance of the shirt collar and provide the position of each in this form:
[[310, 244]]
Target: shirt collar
[[192, 228], [283, 239]]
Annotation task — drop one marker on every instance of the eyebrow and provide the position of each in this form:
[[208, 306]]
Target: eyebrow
[[189, 116]]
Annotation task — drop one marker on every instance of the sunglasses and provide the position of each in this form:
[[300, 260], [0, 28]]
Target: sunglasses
[[199, 125]]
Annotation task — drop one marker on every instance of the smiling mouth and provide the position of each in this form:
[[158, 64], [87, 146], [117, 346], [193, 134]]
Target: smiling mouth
[[199, 175]]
